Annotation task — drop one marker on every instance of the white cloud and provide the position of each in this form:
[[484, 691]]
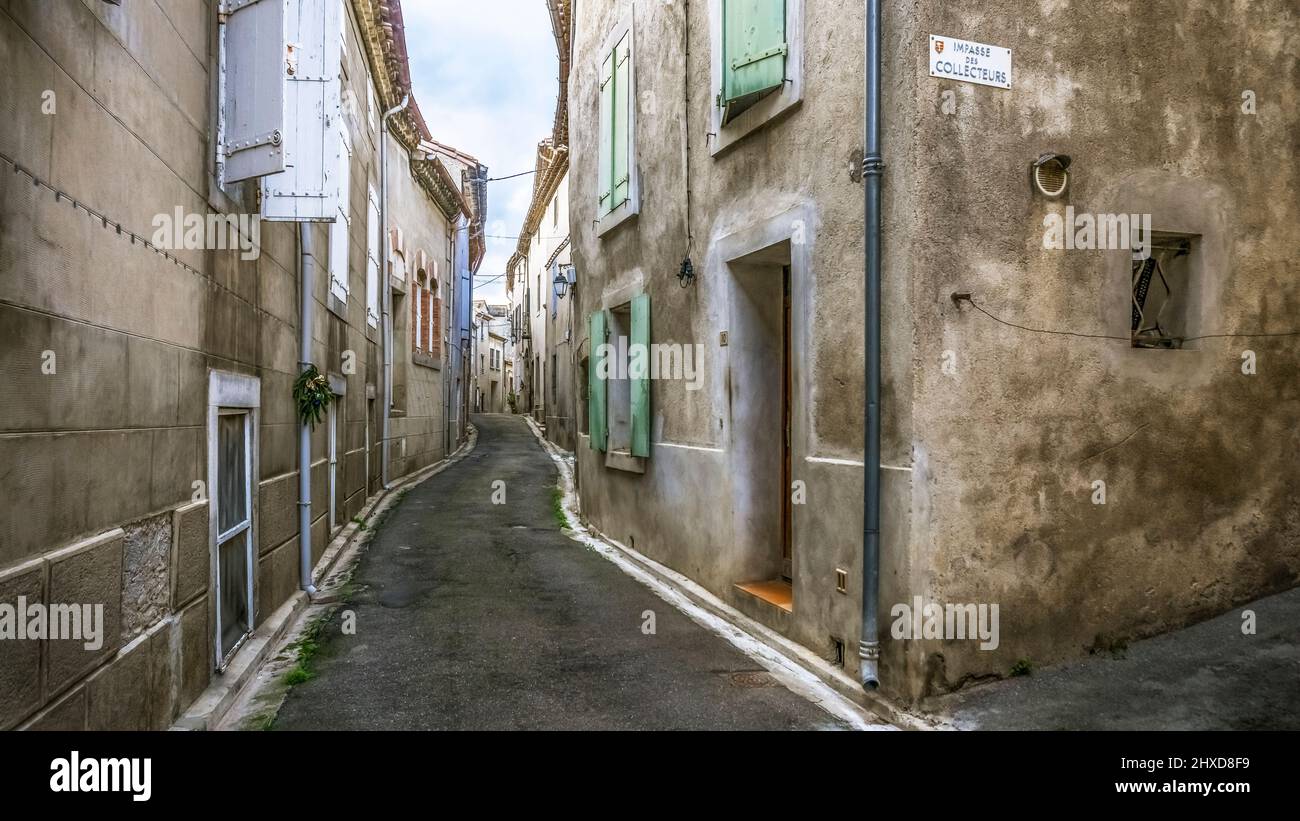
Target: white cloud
[[485, 76]]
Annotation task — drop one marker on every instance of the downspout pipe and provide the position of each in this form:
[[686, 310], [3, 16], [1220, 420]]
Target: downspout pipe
[[385, 290], [306, 310], [873, 167]]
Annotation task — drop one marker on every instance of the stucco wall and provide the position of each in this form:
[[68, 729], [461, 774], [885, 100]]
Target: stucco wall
[[989, 469], [1197, 457], [702, 507]]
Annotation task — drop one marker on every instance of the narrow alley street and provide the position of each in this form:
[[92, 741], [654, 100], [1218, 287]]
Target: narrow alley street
[[645, 365], [502, 622]]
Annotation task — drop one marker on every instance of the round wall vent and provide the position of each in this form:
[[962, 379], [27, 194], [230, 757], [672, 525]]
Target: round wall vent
[[1051, 176]]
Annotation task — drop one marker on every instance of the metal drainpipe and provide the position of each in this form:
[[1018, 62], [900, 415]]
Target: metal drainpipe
[[385, 292], [306, 309], [872, 169]]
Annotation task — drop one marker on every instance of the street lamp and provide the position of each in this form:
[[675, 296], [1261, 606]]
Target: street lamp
[[561, 281]]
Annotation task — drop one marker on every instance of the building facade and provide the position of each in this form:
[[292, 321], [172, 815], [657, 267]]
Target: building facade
[[151, 361], [1116, 466], [491, 349], [542, 249]]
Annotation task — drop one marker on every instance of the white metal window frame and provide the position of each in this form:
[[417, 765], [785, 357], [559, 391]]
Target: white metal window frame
[[769, 108], [229, 394]]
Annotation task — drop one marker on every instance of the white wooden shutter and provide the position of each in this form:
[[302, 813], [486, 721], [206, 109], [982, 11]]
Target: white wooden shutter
[[371, 114], [252, 107], [303, 191], [372, 258], [342, 219]]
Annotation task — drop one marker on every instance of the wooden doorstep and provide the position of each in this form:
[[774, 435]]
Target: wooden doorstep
[[777, 593]]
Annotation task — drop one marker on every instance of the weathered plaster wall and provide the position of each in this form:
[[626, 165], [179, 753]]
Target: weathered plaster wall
[[987, 486], [1198, 458], [699, 507]]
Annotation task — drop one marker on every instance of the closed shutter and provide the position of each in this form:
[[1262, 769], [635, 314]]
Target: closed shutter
[[640, 383], [372, 258], [605, 190], [622, 118], [597, 425], [302, 192], [753, 52], [435, 343], [415, 316], [256, 59], [426, 337], [342, 223]]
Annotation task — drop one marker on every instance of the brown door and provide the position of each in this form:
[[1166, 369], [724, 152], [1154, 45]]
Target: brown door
[[787, 478]]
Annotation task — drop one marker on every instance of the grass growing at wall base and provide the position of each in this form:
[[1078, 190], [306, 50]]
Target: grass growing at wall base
[[306, 648], [557, 508]]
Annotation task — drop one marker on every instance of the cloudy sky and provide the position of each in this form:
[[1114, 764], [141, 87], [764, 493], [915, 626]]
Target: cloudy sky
[[485, 74]]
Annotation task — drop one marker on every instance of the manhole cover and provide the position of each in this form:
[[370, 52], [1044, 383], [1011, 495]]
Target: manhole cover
[[752, 678]]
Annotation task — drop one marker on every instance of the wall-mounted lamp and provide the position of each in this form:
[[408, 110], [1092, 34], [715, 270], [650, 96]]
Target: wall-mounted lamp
[[686, 275], [563, 277], [1050, 174]]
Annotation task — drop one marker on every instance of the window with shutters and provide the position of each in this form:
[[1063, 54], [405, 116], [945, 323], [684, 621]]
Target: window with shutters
[[617, 178], [757, 65], [274, 71], [618, 383]]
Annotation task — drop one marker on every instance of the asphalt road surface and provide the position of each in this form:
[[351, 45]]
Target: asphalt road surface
[[474, 615]]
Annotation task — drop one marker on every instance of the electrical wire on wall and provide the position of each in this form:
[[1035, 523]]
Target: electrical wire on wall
[[966, 297]]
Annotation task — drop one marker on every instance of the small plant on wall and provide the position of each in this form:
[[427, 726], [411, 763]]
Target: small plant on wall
[[312, 393]]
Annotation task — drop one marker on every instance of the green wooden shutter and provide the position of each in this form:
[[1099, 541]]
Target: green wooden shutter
[[596, 424], [640, 386], [753, 52], [606, 156], [622, 117]]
